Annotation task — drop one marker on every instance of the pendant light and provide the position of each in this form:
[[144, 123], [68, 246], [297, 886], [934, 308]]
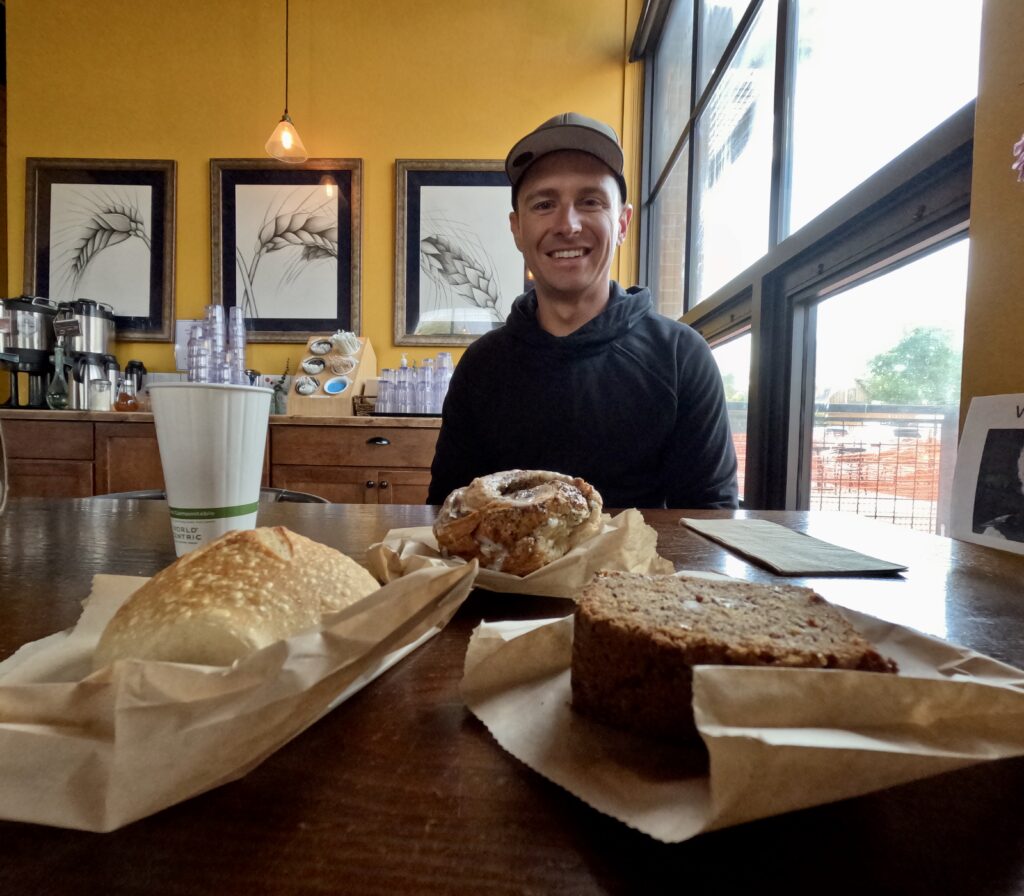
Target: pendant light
[[285, 143]]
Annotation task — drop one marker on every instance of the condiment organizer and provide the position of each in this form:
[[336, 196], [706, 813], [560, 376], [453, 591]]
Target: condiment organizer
[[329, 377]]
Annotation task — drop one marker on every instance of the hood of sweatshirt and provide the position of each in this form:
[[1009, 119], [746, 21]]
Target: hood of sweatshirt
[[625, 309]]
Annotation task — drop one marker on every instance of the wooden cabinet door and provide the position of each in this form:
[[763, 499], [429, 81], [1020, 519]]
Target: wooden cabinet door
[[402, 486], [340, 485], [127, 458], [48, 439], [49, 478], [49, 458], [354, 485]]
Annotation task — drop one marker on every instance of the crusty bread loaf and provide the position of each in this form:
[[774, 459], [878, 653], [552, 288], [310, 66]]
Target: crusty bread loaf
[[517, 521], [637, 638], [237, 594]]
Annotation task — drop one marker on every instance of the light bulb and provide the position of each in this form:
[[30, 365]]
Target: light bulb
[[285, 143]]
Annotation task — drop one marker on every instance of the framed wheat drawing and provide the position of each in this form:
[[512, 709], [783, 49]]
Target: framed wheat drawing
[[457, 268], [103, 229], [286, 244]]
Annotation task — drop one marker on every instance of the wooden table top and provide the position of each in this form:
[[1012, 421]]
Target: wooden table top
[[401, 790]]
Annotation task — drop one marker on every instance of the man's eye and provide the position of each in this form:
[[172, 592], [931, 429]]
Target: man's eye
[[592, 202], [543, 205]]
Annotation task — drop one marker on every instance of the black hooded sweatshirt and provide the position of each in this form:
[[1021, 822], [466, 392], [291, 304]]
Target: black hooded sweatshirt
[[632, 402]]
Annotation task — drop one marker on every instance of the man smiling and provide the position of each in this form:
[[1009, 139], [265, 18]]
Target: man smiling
[[585, 378]]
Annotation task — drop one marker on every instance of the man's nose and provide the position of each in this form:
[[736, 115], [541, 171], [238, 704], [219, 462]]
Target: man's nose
[[569, 220]]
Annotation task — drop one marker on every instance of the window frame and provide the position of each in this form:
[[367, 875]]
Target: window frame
[[917, 202]]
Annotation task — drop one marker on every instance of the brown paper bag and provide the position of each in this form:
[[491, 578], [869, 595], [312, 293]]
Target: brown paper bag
[[625, 543], [777, 739], [97, 750]]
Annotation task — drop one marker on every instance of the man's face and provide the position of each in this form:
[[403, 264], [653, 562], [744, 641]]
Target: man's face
[[568, 224]]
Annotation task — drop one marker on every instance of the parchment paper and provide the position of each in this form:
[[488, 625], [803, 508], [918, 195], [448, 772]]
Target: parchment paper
[[787, 552], [97, 750], [777, 739], [625, 543]]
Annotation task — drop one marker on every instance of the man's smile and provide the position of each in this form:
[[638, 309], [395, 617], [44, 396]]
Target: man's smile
[[568, 253]]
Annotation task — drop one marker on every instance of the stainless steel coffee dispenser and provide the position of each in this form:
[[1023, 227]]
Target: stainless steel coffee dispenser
[[95, 326], [88, 351], [26, 344]]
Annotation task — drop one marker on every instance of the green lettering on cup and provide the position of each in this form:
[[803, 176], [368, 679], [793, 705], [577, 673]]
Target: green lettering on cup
[[213, 513]]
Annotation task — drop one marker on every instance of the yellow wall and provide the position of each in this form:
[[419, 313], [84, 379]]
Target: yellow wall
[[993, 361], [373, 79]]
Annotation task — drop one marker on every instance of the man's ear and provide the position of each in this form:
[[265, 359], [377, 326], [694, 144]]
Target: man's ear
[[625, 216], [513, 221]]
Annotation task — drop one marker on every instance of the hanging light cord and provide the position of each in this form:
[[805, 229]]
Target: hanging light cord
[[286, 18]]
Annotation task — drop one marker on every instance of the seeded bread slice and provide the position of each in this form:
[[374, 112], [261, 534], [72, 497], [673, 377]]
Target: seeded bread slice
[[638, 637]]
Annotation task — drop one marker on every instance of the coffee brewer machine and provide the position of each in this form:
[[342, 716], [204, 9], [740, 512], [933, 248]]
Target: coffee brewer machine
[[88, 352], [26, 344]]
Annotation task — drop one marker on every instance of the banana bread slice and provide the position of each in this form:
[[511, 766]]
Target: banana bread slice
[[637, 638]]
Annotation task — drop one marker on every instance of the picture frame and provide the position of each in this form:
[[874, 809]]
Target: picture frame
[[457, 268], [286, 244], [103, 229], [988, 483]]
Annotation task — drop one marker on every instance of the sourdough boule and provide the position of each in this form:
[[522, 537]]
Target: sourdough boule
[[240, 592]]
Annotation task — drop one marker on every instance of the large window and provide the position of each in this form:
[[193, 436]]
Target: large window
[[886, 398], [818, 152], [733, 169], [871, 77]]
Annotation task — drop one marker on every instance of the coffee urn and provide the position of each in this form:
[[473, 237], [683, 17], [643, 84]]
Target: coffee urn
[[88, 352], [26, 344]]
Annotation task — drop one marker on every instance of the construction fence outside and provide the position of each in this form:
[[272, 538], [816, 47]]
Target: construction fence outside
[[886, 462]]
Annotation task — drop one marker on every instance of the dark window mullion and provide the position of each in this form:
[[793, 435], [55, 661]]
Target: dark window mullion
[[647, 247], [698, 7], [742, 29], [782, 139]]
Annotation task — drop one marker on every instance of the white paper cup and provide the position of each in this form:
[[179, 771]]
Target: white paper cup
[[212, 439]]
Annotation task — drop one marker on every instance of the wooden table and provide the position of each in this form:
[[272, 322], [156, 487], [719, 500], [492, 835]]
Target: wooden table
[[401, 790]]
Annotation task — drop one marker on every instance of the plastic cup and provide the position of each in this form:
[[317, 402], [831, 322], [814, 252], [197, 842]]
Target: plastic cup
[[99, 395], [212, 439]]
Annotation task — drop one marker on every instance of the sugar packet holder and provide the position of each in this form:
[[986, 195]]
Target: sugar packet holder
[[624, 543]]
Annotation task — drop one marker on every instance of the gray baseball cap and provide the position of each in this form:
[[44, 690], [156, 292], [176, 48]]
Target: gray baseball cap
[[570, 130]]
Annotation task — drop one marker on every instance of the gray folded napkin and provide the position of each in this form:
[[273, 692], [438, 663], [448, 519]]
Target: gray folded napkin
[[787, 552]]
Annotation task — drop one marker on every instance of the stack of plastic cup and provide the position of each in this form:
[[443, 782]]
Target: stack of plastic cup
[[216, 350], [385, 403], [403, 391], [423, 399], [442, 376], [414, 390], [198, 355], [236, 346]]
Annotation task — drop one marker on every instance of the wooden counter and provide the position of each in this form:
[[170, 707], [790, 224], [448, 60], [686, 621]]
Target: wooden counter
[[351, 460]]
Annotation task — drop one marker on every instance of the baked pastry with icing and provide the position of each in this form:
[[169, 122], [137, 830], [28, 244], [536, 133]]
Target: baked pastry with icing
[[517, 521]]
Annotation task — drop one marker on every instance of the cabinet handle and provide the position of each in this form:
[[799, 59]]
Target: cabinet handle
[[378, 440], [383, 483], [370, 483]]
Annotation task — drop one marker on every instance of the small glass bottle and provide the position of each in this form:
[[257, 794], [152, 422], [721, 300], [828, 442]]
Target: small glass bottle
[[57, 390], [126, 399]]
